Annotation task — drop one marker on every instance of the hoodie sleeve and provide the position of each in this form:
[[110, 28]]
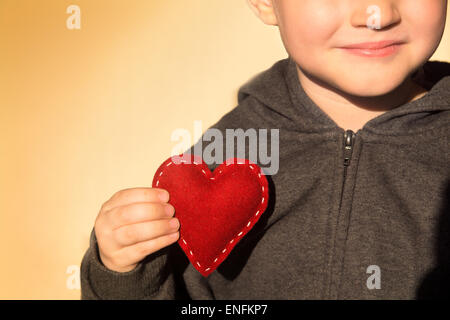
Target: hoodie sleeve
[[154, 278]]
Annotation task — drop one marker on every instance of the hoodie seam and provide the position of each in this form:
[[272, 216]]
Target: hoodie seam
[[333, 222]]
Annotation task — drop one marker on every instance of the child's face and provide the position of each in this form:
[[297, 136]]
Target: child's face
[[314, 30]]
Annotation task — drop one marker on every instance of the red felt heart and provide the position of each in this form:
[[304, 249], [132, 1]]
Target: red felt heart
[[215, 209]]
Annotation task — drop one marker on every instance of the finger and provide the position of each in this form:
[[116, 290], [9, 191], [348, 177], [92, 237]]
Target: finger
[[139, 212], [135, 253], [134, 233], [131, 195]]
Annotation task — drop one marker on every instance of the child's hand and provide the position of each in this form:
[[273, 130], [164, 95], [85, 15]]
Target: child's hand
[[132, 224]]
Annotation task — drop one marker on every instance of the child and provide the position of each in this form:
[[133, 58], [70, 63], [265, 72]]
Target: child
[[359, 208]]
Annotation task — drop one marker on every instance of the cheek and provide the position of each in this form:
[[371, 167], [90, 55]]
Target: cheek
[[309, 24], [425, 20]]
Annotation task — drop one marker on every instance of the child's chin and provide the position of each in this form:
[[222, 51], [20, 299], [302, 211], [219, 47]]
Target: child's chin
[[370, 87]]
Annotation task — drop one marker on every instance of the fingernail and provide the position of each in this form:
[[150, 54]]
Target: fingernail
[[164, 195]]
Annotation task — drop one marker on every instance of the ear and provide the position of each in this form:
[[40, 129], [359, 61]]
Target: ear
[[264, 10]]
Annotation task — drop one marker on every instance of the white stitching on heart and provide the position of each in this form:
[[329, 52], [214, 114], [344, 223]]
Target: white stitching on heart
[[212, 178]]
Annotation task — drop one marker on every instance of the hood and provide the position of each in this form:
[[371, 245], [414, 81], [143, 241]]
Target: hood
[[278, 88]]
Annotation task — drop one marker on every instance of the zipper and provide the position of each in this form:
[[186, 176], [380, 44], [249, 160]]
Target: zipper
[[349, 139]]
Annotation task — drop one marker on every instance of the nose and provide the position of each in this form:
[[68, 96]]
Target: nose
[[375, 14]]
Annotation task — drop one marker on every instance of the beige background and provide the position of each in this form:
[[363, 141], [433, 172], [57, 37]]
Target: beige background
[[85, 113]]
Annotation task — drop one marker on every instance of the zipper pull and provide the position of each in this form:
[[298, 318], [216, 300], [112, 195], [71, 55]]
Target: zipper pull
[[349, 137]]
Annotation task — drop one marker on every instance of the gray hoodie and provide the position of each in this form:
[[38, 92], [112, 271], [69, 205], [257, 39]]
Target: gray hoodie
[[362, 215]]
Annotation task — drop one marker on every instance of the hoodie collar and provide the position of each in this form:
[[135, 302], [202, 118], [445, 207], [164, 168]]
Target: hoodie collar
[[279, 89]]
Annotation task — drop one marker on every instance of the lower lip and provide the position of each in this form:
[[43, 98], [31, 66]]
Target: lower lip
[[374, 53]]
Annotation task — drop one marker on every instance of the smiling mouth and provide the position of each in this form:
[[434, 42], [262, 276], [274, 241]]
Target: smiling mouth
[[373, 49]]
